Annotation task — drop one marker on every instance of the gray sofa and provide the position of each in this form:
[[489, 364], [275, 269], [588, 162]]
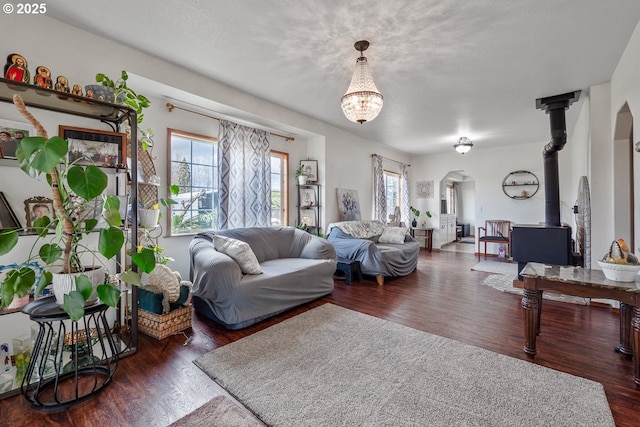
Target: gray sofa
[[297, 267], [358, 240]]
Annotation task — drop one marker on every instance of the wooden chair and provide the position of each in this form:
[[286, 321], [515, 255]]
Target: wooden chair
[[495, 231]]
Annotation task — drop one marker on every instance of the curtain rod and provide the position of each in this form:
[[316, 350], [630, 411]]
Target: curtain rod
[[171, 106], [378, 155]]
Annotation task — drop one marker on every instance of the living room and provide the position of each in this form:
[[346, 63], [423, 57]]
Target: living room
[[345, 159]]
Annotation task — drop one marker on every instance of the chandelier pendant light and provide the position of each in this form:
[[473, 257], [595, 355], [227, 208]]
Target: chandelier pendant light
[[463, 145], [362, 102]]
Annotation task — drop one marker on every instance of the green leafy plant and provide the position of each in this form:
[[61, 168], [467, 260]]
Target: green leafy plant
[[124, 94], [416, 212], [299, 171], [75, 190]]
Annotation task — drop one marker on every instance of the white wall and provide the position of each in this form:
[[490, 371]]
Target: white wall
[[467, 204], [488, 167]]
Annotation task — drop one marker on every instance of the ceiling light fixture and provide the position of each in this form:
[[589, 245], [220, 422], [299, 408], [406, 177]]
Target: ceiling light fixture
[[463, 145], [362, 102]]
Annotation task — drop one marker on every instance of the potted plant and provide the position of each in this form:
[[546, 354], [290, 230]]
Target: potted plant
[[150, 213], [302, 178], [416, 215], [75, 189], [119, 93]]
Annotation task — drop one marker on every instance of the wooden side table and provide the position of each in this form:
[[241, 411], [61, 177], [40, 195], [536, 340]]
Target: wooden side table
[[423, 235], [349, 267]]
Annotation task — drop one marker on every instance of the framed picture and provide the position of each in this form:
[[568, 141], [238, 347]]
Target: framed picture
[[8, 219], [310, 169], [90, 146], [37, 207], [308, 217], [11, 133], [308, 197], [348, 205]]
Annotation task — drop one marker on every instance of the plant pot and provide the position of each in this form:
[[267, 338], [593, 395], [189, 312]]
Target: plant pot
[[18, 302], [302, 179], [63, 283], [104, 93], [149, 217]]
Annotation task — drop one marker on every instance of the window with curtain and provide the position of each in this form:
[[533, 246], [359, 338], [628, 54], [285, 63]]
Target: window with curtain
[[450, 196], [193, 167]]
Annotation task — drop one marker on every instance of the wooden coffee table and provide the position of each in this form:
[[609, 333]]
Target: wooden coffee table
[[577, 281]]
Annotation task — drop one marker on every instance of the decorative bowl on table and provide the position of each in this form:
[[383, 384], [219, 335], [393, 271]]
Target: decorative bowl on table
[[619, 272]]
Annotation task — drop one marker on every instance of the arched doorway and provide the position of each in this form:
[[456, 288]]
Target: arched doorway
[[624, 215]]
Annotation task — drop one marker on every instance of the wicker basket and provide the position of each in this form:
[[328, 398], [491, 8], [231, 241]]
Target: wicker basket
[[160, 326]]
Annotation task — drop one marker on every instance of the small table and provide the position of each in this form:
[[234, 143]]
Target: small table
[[583, 283], [70, 361], [349, 267], [423, 234]]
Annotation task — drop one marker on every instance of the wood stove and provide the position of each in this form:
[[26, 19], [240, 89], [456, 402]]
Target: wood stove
[[550, 243]]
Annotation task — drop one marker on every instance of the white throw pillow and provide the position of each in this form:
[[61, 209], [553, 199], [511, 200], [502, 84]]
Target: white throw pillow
[[393, 235], [240, 252]]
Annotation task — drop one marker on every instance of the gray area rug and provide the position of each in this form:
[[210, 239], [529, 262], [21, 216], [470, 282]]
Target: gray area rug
[[497, 267], [218, 412], [508, 272], [331, 366]]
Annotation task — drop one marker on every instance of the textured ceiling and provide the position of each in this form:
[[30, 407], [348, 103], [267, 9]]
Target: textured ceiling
[[446, 68]]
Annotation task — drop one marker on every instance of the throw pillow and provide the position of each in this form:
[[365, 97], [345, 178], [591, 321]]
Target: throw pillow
[[393, 235], [240, 252]]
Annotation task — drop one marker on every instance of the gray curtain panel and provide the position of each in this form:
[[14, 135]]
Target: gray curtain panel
[[379, 191], [405, 204], [245, 176]]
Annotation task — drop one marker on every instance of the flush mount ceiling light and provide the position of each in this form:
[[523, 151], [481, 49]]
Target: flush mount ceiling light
[[362, 102], [463, 145]]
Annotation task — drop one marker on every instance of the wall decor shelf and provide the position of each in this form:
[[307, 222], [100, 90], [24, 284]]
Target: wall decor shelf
[[309, 207], [125, 336], [520, 184]]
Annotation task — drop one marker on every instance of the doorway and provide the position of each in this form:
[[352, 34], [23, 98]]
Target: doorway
[[624, 215], [457, 212]]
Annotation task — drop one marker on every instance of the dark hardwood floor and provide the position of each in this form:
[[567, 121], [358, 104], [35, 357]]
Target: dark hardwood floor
[[160, 384]]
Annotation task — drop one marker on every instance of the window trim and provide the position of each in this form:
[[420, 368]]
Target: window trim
[[400, 182], [284, 184]]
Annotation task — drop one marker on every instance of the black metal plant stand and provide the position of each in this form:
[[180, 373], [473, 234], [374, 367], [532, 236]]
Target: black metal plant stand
[[70, 361]]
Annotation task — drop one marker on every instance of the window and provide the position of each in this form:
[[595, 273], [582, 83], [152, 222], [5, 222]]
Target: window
[[392, 183], [279, 193], [193, 166], [451, 200]]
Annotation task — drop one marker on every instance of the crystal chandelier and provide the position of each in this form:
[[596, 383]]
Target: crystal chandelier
[[463, 145], [362, 102]]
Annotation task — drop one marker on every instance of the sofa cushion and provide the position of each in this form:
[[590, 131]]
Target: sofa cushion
[[393, 235], [240, 252]]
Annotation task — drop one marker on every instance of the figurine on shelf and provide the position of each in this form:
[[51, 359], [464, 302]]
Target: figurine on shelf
[[62, 84], [43, 77], [89, 94], [16, 68], [77, 90]]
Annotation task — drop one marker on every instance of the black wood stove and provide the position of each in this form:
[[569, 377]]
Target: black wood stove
[[550, 243]]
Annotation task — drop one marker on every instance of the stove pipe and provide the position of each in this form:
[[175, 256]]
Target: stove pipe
[[555, 106]]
